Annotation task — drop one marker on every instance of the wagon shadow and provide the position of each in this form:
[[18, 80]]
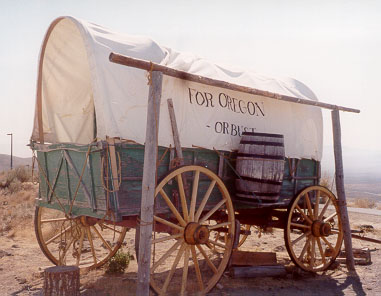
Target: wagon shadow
[[307, 284]]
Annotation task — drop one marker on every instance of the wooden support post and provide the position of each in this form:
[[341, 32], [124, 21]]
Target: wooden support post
[[149, 183], [61, 281], [175, 131], [341, 191]]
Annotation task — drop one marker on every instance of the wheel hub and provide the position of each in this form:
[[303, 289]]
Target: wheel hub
[[320, 228], [195, 233], [87, 221]]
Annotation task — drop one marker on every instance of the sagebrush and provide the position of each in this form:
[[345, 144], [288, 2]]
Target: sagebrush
[[118, 263]]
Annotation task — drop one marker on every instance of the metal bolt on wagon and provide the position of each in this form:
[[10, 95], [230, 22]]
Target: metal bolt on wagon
[[131, 134]]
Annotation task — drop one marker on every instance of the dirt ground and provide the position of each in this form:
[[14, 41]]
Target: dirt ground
[[22, 264]]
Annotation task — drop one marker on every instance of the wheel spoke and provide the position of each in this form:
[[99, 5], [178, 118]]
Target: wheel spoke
[[204, 200], [210, 263], [330, 217], [312, 254], [166, 255], [307, 197], [102, 225], [298, 225], [63, 255], [163, 239], [328, 243], [174, 265], [59, 234], [197, 268], [321, 250], [219, 225], [54, 220], [316, 207], [173, 208], [194, 196], [91, 244], [300, 238], [102, 239], [185, 270], [80, 245], [304, 248], [170, 224], [217, 244], [324, 208], [212, 211], [303, 214], [182, 196]]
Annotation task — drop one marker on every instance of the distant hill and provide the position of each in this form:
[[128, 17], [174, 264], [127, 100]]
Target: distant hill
[[360, 165], [5, 161]]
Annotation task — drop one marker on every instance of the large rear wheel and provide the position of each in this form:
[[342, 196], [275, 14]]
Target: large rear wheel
[[184, 260]]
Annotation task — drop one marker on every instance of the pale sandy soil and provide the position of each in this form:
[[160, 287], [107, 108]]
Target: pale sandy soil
[[22, 264]]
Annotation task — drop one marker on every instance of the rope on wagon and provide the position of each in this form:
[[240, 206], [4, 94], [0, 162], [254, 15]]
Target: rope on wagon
[[149, 74], [33, 164]]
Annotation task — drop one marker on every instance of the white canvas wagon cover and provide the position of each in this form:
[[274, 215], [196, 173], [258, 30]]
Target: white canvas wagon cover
[[81, 95]]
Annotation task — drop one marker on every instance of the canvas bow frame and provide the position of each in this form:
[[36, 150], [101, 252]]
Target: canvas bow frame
[[150, 155]]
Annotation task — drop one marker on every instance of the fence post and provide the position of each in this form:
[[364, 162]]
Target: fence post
[[149, 183], [339, 171]]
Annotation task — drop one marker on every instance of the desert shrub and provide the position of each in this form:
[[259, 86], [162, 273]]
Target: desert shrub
[[365, 203], [10, 177], [14, 187], [118, 263], [326, 180], [12, 180], [23, 174]]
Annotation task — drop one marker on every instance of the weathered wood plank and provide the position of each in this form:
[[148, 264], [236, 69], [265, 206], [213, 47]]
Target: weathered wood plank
[[84, 187], [243, 258], [341, 191], [257, 271], [175, 132], [146, 65], [149, 183]]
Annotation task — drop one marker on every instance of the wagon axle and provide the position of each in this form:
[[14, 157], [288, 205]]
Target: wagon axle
[[320, 228], [195, 233]]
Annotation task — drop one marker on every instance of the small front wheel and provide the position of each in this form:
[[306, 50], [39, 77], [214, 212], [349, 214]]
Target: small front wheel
[[313, 233], [83, 241]]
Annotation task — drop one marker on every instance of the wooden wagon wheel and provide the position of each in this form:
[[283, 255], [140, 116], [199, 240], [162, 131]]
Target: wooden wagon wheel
[[183, 260], [221, 236], [313, 234], [83, 241]]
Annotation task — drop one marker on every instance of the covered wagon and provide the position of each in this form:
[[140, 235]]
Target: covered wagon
[[231, 149]]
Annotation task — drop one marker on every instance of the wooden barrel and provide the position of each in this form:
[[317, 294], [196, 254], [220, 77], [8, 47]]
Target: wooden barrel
[[260, 163]]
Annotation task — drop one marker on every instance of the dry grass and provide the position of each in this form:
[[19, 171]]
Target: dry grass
[[17, 209], [326, 180], [365, 203]]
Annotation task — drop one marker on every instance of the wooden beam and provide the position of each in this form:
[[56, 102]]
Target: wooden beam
[[149, 183], [145, 65], [257, 271], [175, 131], [244, 258], [339, 174]]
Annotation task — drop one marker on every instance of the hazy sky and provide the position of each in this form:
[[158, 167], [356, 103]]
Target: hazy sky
[[334, 47]]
